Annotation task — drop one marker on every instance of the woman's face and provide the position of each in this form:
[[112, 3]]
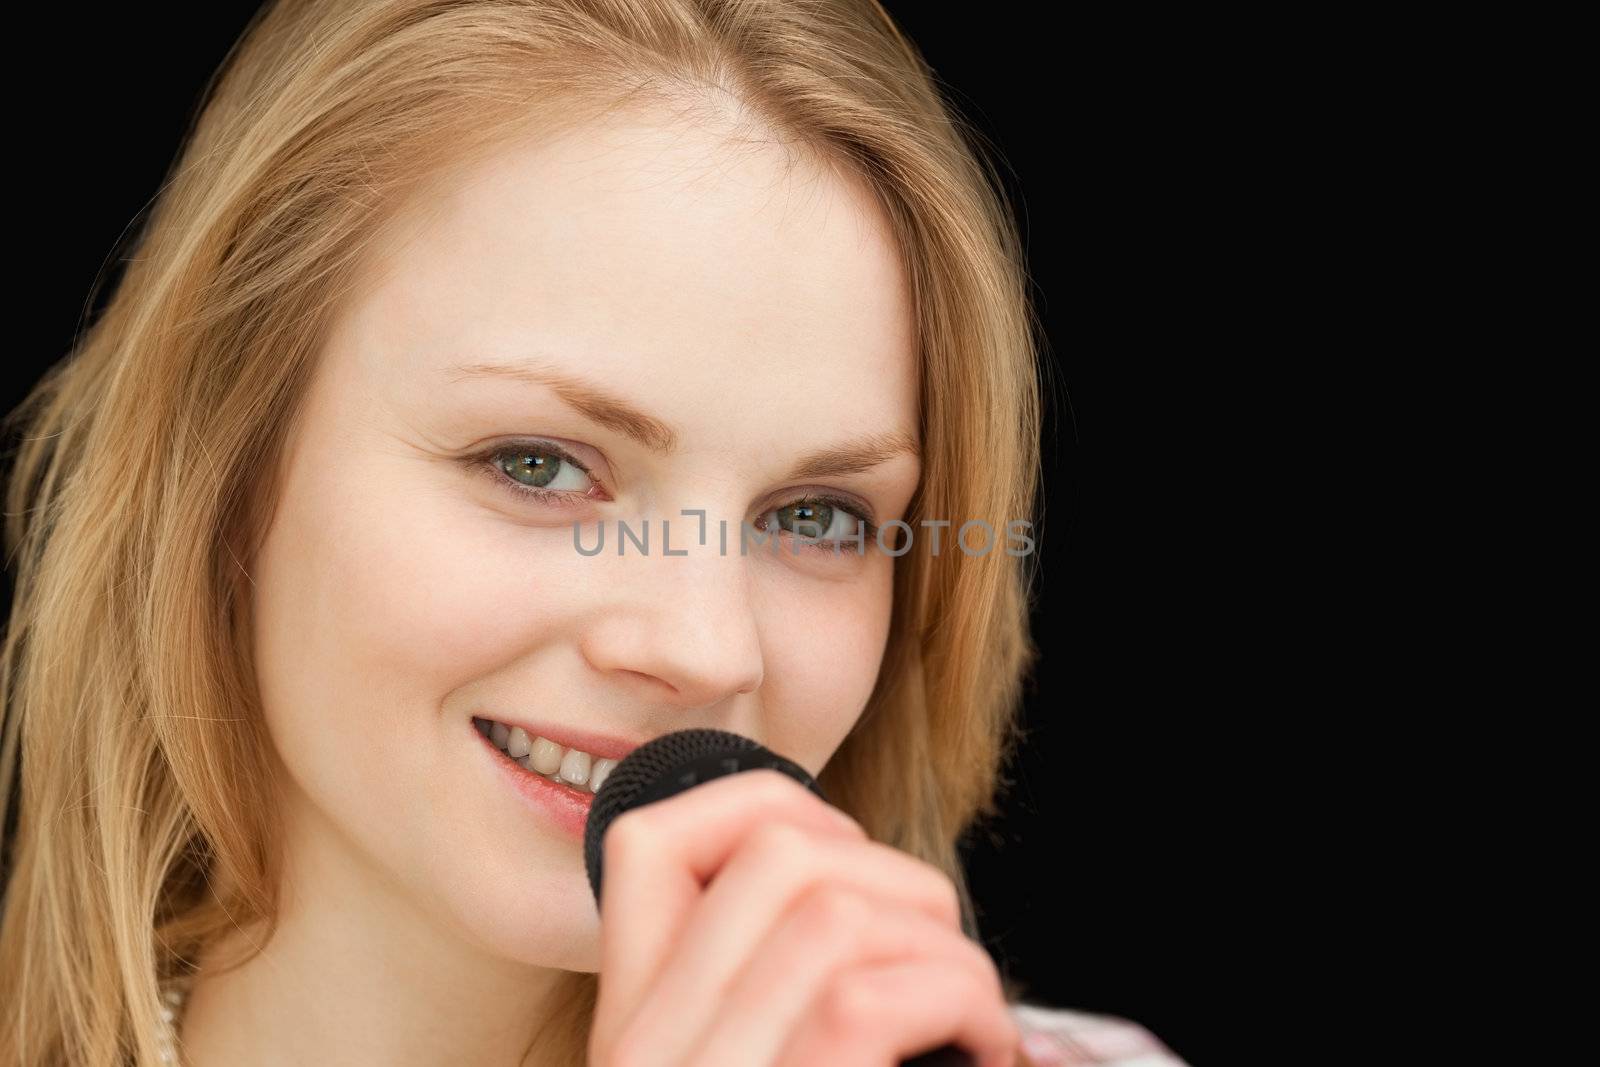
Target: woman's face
[[686, 319]]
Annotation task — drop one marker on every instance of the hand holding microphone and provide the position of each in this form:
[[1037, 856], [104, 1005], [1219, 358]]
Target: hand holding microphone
[[747, 922]]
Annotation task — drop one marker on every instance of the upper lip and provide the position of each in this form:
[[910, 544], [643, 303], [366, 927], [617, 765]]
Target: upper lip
[[598, 745]]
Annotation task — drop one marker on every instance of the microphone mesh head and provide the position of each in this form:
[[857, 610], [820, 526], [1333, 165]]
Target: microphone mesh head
[[640, 769]]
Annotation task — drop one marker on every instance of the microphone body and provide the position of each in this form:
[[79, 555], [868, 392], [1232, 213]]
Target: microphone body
[[681, 760]]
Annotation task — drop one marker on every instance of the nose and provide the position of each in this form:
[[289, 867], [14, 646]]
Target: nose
[[680, 628]]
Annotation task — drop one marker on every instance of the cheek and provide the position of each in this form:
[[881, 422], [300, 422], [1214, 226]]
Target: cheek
[[373, 607], [376, 618], [821, 673]]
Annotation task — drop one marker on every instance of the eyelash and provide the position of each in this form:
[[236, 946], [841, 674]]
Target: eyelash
[[484, 462]]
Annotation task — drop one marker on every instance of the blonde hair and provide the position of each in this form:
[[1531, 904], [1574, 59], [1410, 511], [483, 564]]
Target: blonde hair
[[144, 831]]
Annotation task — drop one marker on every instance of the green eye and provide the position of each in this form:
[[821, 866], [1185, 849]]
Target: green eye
[[529, 467], [806, 518], [811, 519]]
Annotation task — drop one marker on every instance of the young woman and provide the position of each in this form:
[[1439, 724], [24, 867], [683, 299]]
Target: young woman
[[311, 668]]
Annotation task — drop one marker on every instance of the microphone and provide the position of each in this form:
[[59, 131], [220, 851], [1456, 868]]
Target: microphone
[[681, 760]]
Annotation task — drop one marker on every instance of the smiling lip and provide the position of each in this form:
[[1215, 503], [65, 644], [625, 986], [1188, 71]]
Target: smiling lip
[[565, 805], [597, 745]]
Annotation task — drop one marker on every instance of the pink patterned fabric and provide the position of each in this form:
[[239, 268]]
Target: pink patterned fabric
[[1061, 1037]]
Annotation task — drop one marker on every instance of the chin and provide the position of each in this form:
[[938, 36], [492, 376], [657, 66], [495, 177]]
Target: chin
[[549, 920], [580, 951]]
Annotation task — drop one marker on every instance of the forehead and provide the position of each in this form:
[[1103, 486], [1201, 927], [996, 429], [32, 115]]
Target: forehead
[[694, 259]]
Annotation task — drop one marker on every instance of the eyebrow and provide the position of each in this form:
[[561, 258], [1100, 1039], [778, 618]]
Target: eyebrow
[[611, 411]]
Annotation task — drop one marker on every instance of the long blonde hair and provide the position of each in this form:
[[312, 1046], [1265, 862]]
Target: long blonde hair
[[144, 830]]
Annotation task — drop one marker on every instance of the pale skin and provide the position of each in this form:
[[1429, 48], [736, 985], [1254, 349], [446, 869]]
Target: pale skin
[[752, 302]]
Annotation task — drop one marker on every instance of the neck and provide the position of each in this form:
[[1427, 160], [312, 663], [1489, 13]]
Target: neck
[[355, 974]]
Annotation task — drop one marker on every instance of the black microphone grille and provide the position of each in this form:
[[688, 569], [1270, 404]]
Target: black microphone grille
[[668, 765]]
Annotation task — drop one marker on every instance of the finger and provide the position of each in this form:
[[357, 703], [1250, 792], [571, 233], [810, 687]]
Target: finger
[[658, 859], [879, 1015], [832, 931], [776, 866]]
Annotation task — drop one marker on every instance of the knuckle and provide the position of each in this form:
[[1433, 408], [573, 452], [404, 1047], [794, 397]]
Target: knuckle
[[628, 1049], [942, 894], [832, 912], [984, 966], [978, 970], [984, 983], [848, 1006], [629, 833], [773, 787], [777, 792], [855, 829], [780, 846]]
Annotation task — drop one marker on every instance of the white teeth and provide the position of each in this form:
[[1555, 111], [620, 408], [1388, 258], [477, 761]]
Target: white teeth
[[575, 766], [545, 756], [598, 773]]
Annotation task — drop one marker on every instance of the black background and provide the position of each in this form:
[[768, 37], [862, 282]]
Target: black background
[[1102, 887]]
